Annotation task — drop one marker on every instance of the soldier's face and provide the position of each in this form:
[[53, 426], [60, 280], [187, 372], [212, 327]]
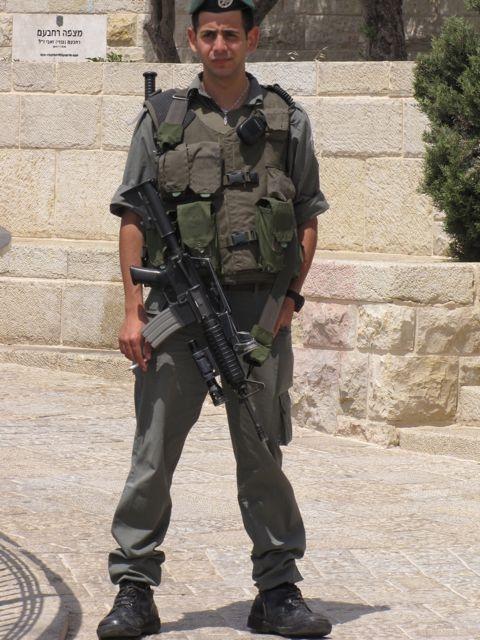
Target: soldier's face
[[221, 42]]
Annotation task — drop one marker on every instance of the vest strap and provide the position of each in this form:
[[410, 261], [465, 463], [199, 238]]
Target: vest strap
[[169, 114], [179, 107]]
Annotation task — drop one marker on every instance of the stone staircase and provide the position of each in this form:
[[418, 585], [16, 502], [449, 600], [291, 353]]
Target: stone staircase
[[457, 441], [460, 441]]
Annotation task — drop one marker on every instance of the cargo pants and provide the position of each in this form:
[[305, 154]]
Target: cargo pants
[[169, 398]]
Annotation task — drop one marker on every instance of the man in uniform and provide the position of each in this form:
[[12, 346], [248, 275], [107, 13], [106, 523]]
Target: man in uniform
[[209, 172]]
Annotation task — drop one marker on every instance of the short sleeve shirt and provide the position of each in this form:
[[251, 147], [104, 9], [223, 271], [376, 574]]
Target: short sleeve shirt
[[302, 164]]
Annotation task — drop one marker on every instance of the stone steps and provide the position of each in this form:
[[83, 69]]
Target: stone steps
[[456, 441], [110, 365]]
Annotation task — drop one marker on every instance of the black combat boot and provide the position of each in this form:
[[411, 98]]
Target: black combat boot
[[283, 611], [133, 614]]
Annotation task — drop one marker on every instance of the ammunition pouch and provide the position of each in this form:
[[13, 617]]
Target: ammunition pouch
[[276, 227]]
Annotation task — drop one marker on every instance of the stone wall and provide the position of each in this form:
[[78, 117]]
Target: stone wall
[[295, 29], [385, 344], [389, 335]]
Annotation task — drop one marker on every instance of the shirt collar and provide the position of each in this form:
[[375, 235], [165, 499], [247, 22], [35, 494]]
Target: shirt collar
[[255, 95]]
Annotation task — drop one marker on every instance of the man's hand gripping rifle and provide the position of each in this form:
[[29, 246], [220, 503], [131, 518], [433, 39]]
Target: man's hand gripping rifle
[[193, 294]]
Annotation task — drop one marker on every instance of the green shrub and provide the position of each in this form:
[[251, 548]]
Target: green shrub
[[447, 88]]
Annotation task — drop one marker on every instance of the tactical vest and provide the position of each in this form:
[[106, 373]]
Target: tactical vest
[[231, 201]]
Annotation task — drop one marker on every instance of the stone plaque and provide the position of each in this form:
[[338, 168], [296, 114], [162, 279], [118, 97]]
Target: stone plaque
[[52, 38]]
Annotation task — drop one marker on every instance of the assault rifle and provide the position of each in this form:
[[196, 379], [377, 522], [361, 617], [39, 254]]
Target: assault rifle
[[193, 294]]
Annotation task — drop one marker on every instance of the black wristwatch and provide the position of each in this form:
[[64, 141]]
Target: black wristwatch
[[297, 298]]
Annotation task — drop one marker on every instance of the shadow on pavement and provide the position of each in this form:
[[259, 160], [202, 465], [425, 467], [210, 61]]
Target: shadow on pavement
[[21, 597], [235, 615]]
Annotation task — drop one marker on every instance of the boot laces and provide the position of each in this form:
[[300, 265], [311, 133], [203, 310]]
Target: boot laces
[[295, 598], [126, 597]]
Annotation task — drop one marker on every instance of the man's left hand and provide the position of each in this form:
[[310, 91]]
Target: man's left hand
[[285, 316]]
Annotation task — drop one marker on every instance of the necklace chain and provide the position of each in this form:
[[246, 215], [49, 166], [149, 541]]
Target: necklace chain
[[235, 104]]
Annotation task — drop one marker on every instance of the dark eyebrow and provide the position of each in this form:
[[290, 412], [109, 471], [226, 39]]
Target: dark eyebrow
[[208, 32]]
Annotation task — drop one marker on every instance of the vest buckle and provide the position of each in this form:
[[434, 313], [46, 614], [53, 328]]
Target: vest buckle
[[241, 177], [238, 238]]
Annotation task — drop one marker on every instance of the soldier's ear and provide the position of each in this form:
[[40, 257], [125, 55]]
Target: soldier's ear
[[253, 37], [192, 39]]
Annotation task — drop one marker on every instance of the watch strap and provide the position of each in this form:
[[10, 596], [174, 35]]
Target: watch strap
[[298, 299]]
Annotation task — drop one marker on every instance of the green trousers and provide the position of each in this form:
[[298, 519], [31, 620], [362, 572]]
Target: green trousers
[[169, 398]]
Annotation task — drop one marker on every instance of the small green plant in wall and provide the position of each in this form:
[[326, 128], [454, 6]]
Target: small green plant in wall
[[111, 57], [447, 88]]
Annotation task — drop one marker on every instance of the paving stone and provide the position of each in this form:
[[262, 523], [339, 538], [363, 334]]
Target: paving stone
[[393, 534]]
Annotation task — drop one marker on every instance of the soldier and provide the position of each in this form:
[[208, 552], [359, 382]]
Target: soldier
[[232, 183]]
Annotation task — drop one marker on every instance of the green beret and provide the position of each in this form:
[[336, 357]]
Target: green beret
[[216, 6]]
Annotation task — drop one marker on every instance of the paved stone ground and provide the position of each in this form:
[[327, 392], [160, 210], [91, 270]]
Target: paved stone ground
[[393, 536]]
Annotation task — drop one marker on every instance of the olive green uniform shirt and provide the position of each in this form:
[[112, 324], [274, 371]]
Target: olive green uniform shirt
[[302, 164]]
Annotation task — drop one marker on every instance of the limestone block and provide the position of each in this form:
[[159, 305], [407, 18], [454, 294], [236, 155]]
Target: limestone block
[[327, 32], [30, 312], [384, 435], [122, 30], [73, 260], [5, 54], [398, 218], [94, 261], [34, 259], [326, 7], [353, 384], [452, 332], [27, 191], [469, 406], [86, 182], [342, 227], [386, 328], [127, 79], [26, 6], [413, 390], [353, 78], [142, 38], [379, 281], [298, 78], [283, 34], [9, 108], [128, 54], [60, 122], [110, 365], [469, 375], [6, 24], [69, 6], [91, 315], [401, 78], [441, 239], [79, 77], [33, 76], [112, 6], [415, 123], [5, 76], [330, 326], [360, 126], [183, 74], [106, 364], [119, 119], [315, 390]]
